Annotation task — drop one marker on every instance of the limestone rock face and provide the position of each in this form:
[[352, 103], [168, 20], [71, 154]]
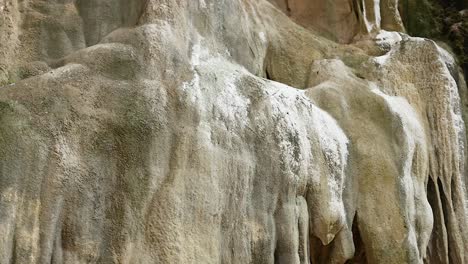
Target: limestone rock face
[[343, 20], [228, 131]]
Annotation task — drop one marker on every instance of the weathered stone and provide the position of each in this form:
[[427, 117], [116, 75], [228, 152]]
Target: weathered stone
[[227, 132]]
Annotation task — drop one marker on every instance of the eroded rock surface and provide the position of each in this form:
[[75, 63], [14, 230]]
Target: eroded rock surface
[[343, 20], [229, 131]]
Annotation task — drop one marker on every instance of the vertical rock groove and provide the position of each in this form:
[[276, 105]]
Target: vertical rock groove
[[145, 132]]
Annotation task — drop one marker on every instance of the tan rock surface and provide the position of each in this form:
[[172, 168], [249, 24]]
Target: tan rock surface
[[225, 132]]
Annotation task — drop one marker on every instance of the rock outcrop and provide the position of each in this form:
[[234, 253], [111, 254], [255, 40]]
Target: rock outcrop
[[229, 131]]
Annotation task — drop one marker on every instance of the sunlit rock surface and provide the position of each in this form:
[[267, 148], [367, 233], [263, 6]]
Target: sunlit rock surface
[[229, 131]]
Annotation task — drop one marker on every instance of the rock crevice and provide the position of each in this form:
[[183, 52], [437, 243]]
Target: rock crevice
[[229, 131]]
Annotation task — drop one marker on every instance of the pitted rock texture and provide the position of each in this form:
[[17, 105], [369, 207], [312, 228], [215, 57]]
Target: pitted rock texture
[[343, 20], [229, 131]]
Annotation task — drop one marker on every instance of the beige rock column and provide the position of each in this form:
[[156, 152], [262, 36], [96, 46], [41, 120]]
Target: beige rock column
[[391, 19]]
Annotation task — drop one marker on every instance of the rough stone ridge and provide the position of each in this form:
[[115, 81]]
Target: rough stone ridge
[[228, 131]]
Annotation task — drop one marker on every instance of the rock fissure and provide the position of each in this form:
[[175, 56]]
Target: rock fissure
[[144, 131]]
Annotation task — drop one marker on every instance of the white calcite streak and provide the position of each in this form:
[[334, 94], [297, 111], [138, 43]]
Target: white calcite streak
[[378, 18], [227, 131]]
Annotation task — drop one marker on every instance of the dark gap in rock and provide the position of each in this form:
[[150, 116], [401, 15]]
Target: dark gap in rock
[[361, 7], [278, 258], [437, 252], [453, 246], [358, 9], [360, 76], [359, 253], [443, 199], [288, 8], [433, 202], [432, 193], [52, 255], [14, 253], [444, 205], [319, 253], [267, 75]]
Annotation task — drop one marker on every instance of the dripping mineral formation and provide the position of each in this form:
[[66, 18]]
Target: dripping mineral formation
[[228, 131]]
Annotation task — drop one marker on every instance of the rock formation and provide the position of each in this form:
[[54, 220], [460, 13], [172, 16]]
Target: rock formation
[[228, 131]]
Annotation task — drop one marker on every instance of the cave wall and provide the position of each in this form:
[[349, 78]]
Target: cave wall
[[229, 131]]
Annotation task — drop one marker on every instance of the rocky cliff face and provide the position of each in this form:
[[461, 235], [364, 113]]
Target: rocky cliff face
[[228, 131]]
